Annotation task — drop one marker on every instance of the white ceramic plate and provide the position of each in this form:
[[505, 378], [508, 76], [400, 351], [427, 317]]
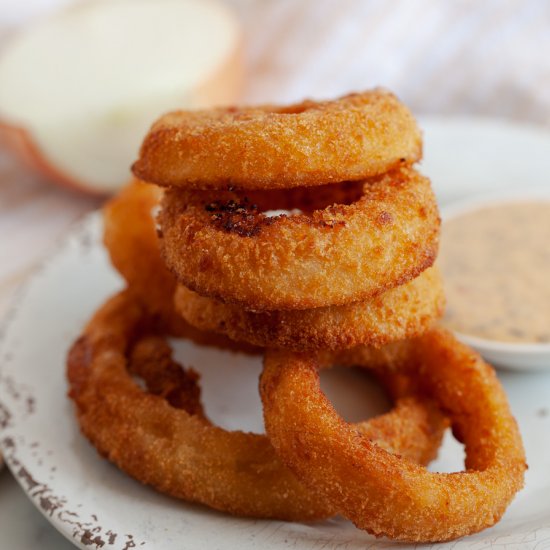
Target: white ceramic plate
[[96, 506]]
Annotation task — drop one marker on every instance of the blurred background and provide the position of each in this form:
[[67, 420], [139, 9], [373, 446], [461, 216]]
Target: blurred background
[[454, 58]]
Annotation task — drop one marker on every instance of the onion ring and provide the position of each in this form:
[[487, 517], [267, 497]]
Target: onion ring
[[399, 313], [130, 237], [342, 254], [163, 439], [151, 360], [269, 147], [378, 491]]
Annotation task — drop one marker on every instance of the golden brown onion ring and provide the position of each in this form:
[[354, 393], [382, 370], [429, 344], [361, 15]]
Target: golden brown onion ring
[[342, 254], [268, 147], [130, 237], [383, 493], [150, 358], [162, 438], [402, 312]]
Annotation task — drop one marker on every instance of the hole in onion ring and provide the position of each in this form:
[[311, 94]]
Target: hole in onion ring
[[450, 457], [245, 213], [305, 199], [232, 400], [229, 384], [355, 394]]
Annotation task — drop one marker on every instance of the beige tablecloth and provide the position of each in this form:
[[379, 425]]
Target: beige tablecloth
[[489, 58]]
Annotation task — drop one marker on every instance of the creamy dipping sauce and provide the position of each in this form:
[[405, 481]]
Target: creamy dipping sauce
[[496, 267]]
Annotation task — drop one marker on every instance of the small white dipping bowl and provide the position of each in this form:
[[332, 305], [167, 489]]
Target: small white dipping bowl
[[506, 355]]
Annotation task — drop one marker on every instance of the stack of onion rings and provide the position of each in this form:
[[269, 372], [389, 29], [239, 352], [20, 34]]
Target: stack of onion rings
[[304, 229], [268, 261]]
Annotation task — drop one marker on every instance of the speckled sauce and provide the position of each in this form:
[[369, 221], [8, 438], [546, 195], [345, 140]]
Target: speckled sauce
[[496, 266]]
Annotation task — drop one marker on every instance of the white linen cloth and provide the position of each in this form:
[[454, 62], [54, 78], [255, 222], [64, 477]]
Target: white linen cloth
[[489, 58]]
